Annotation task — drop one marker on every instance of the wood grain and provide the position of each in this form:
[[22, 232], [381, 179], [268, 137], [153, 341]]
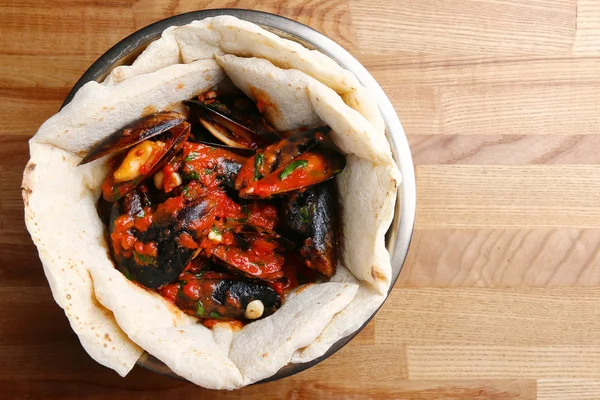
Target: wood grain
[[503, 258], [508, 196], [493, 26], [499, 295], [504, 149], [567, 389], [587, 38]]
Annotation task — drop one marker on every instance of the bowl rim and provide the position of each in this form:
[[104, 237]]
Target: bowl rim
[[400, 232]]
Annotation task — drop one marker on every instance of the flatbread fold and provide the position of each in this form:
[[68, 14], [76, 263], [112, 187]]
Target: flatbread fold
[[117, 320]]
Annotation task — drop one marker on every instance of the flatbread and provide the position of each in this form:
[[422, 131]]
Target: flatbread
[[60, 201], [65, 248], [229, 35]]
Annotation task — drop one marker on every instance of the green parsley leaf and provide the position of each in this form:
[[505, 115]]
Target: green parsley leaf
[[207, 171], [214, 315], [215, 230], [145, 259], [200, 309], [258, 162], [304, 214], [291, 167]]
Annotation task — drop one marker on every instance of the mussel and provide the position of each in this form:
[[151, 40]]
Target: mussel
[[154, 140], [288, 165], [311, 217], [213, 164], [233, 120], [153, 249], [226, 298], [255, 253]]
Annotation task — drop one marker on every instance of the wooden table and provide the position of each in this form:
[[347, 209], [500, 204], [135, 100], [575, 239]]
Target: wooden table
[[499, 297]]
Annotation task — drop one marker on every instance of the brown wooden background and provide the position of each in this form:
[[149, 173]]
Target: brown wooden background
[[499, 298]]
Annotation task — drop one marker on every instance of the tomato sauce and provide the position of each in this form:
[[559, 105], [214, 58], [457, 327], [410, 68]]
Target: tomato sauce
[[229, 241]]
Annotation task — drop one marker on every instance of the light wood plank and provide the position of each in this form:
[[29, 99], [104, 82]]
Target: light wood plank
[[465, 26], [520, 110], [563, 389], [562, 318], [398, 68], [489, 362], [504, 149], [587, 37], [503, 258], [472, 196]]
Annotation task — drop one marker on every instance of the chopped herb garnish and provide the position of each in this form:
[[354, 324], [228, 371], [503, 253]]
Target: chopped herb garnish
[[192, 156], [207, 171], [290, 168], [304, 214], [193, 175], [213, 148], [186, 192], [199, 274], [127, 274], [200, 309], [258, 162], [214, 315], [144, 258], [215, 230]]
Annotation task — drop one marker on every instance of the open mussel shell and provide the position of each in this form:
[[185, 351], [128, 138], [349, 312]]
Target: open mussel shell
[[304, 171], [279, 154], [166, 227], [174, 140], [241, 128], [228, 299], [135, 133]]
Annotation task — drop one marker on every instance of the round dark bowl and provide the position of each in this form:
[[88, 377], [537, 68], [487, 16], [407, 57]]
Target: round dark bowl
[[400, 232]]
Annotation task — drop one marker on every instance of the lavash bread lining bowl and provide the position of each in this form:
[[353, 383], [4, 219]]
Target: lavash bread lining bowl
[[161, 341]]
